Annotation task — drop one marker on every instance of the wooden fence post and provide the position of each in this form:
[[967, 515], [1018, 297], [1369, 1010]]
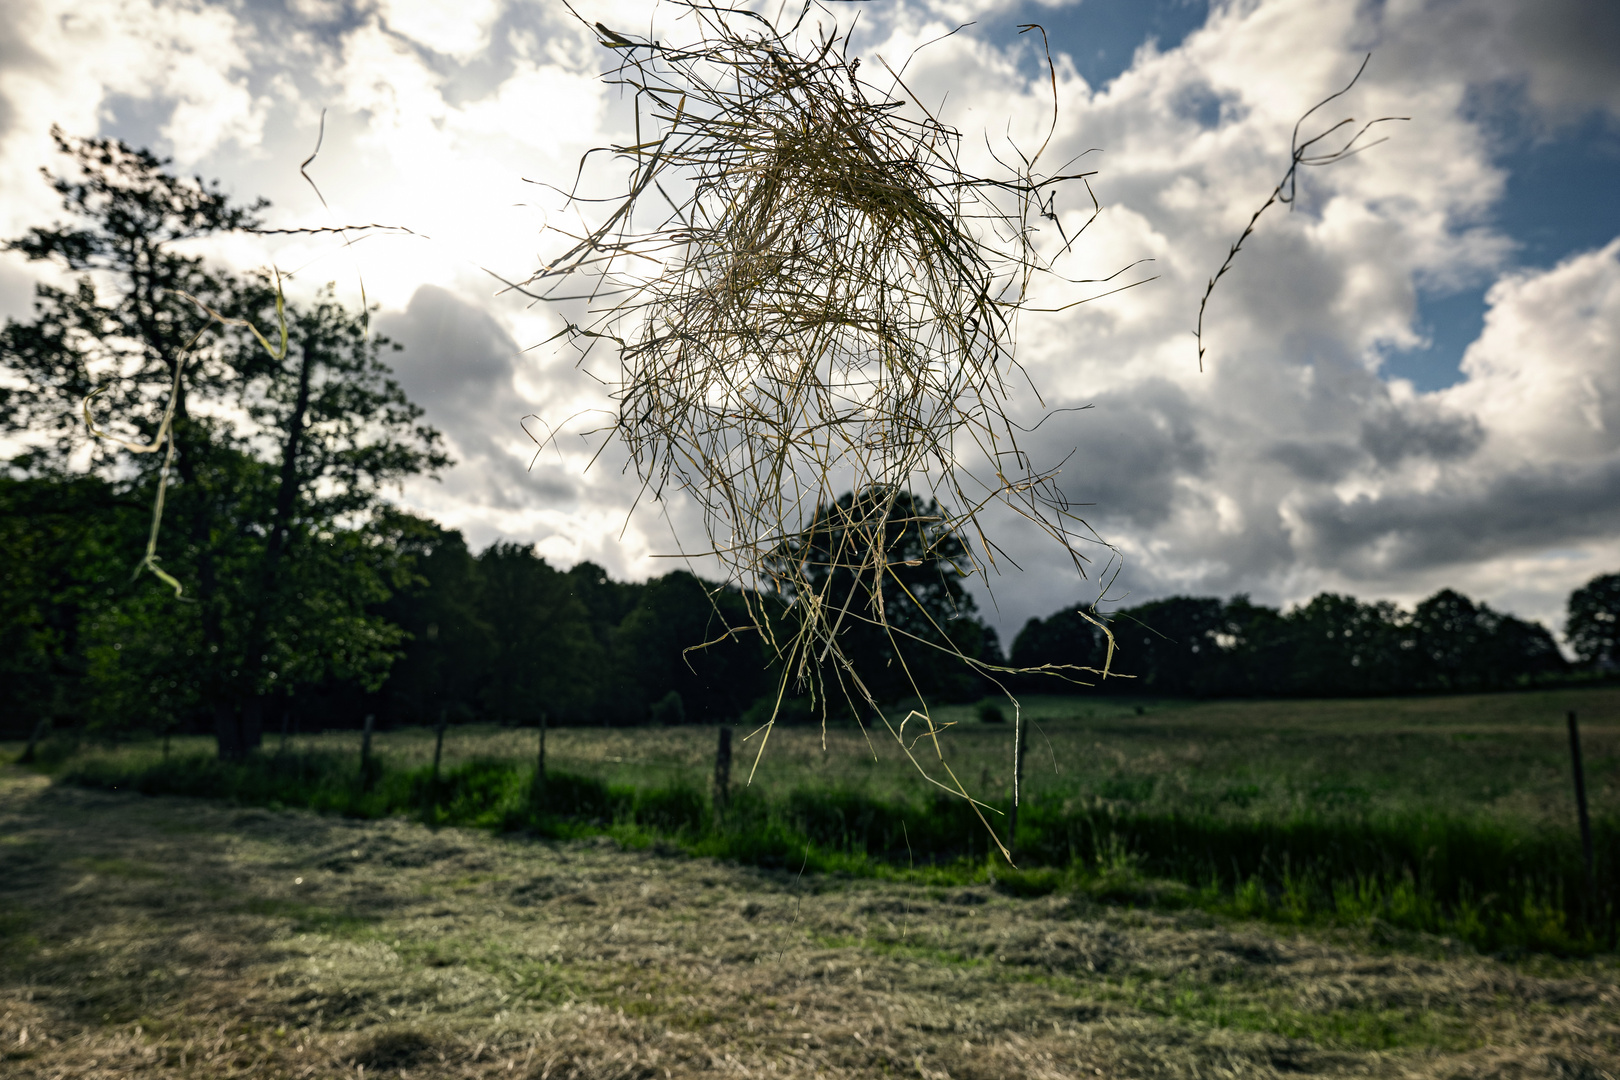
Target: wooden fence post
[[365, 754], [722, 776], [438, 752], [539, 793]]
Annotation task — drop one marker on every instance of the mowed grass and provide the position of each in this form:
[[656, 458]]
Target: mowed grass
[[1448, 816], [170, 937]]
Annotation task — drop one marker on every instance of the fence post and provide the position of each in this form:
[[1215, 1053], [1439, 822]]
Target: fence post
[[365, 754], [1580, 798], [438, 752], [539, 793], [722, 775]]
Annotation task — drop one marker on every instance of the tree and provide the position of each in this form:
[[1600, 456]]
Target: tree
[[545, 660], [1253, 654], [446, 656], [1593, 625], [273, 519], [690, 638], [903, 620], [1169, 646], [342, 429], [1068, 639], [129, 313], [1462, 645], [1342, 646]]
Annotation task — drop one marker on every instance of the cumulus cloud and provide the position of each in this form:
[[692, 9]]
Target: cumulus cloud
[[462, 366], [1564, 55], [1128, 456]]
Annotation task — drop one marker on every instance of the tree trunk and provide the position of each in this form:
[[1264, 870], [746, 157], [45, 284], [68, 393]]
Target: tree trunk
[[228, 732], [215, 684], [276, 541], [239, 728], [33, 741]]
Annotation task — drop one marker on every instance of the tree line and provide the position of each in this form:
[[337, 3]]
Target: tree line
[[1333, 646], [220, 557]]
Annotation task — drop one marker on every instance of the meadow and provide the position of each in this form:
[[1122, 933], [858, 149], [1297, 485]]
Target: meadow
[[1442, 815], [173, 937]]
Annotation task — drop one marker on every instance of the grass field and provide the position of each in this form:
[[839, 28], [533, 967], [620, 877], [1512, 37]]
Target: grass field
[[1451, 816], [169, 937]]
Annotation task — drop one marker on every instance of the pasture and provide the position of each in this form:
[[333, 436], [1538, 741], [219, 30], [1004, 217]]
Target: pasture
[[177, 937], [1451, 816]]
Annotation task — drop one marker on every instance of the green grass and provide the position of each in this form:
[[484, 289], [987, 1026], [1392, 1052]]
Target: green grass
[[1449, 816]]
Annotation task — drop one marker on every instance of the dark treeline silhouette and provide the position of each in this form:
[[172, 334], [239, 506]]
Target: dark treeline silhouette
[[1334, 646], [504, 636], [501, 636]]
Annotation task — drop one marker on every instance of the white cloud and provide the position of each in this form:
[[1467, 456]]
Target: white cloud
[[460, 29], [1544, 376]]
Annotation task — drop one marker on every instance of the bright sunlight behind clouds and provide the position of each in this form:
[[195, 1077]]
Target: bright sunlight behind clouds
[[1299, 460]]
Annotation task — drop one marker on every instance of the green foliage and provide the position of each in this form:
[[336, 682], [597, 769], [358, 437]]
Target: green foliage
[[505, 636], [447, 642], [905, 623], [1332, 646], [669, 709], [545, 659], [273, 523], [1594, 622], [686, 637], [64, 559]]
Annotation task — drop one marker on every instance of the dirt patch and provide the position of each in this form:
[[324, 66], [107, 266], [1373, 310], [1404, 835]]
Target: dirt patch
[[176, 938]]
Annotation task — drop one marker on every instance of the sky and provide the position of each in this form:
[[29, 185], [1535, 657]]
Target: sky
[[1413, 375]]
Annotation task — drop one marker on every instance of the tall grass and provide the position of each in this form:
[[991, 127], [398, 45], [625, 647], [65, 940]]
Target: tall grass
[[1495, 884]]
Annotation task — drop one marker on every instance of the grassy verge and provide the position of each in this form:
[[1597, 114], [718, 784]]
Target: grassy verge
[[1496, 884]]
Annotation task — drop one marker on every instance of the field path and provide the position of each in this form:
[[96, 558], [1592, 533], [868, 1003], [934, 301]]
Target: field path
[[160, 937]]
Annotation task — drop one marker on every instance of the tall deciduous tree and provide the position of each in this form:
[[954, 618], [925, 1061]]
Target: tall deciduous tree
[[124, 327], [274, 522]]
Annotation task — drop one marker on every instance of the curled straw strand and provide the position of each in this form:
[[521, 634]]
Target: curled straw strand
[[1287, 189], [164, 440]]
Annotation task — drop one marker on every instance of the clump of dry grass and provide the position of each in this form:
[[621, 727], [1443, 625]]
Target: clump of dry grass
[[808, 291]]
